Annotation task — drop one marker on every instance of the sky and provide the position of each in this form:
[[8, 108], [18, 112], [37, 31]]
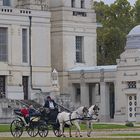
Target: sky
[[111, 1]]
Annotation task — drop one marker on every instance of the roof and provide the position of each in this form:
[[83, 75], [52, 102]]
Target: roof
[[135, 31], [94, 68], [133, 38]]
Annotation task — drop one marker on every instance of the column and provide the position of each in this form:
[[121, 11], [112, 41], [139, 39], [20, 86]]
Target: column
[[84, 94], [138, 102], [104, 106], [72, 92]]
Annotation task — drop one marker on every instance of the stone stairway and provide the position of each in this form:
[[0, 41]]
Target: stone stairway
[[6, 109], [30, 102], [7, 106]]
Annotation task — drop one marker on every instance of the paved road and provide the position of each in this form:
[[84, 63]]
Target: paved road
[[95, 134]]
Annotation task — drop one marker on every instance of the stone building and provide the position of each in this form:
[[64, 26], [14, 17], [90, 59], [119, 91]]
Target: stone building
[[25, 52], [114, 88], [49, 46]]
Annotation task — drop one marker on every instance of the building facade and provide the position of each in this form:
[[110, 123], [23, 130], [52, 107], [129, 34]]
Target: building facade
[[50, 46], [25, 53]]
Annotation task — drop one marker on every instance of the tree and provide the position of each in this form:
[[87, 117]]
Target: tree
[[117, 20], [137, 12]]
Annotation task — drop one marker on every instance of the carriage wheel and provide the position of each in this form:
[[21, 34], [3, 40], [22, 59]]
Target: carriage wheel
[[43, 130], [32, 130], [16, 128], [57, 132]]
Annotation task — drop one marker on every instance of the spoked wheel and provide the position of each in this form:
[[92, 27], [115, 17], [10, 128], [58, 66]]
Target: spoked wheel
[[57, 132], [43, 130], [16, 128], [32, 130]]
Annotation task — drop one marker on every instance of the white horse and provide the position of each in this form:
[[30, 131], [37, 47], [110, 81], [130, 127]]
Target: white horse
[[93, 117], [70, 119]]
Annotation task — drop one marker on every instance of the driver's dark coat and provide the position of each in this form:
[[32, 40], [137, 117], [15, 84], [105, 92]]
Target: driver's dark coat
[[47, 103]]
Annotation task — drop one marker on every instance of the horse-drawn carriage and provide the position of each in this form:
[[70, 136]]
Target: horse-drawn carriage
[[43, 121], [40, 123]]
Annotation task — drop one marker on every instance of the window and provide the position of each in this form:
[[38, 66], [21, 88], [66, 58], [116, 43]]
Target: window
[[79, 48], [82, 14], [73, 3], [82, 3], [131, 84], [6, 2], [3, 44], [24, 46]]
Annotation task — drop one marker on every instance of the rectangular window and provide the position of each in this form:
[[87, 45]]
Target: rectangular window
[[131, 84], [82, 3], [73, 3], [24, 46], [3, 44], [79, 48], [6, 2]]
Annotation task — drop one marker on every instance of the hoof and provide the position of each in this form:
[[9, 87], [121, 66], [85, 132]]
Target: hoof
[[88, 135], [76, 136], [70, 135], [81, 136]]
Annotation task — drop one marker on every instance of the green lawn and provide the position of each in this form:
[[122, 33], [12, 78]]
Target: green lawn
[[98, 126], [110, 126], [132, 134], [5, 128]]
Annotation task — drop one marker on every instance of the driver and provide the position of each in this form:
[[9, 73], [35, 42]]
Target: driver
[[50, 103], [52, 106]]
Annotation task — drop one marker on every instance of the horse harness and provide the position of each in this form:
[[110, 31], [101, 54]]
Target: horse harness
[[70, 119]]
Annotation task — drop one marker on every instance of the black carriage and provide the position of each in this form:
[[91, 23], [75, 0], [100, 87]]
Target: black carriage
[[19, 125], [50, 118], [40, 124]]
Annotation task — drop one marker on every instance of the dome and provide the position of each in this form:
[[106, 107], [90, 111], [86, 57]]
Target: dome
[[133, 38], [135, 31]]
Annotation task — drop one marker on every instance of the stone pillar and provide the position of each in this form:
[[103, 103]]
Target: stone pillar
[[104, 106], [92, 94], [97, 95], [138, 102], [84, 94], [72, 92]]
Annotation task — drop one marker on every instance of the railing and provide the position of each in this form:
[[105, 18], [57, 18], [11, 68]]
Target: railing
[[62, 108]]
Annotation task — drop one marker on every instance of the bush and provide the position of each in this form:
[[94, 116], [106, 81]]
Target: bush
[[129, 124]]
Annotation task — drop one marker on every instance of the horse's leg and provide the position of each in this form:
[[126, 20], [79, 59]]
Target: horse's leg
[[78, 128], [62, 129], [70, 132], [90, 128]]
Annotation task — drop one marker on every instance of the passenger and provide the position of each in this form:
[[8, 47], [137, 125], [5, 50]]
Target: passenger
[[32, 111], [25, 113]]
